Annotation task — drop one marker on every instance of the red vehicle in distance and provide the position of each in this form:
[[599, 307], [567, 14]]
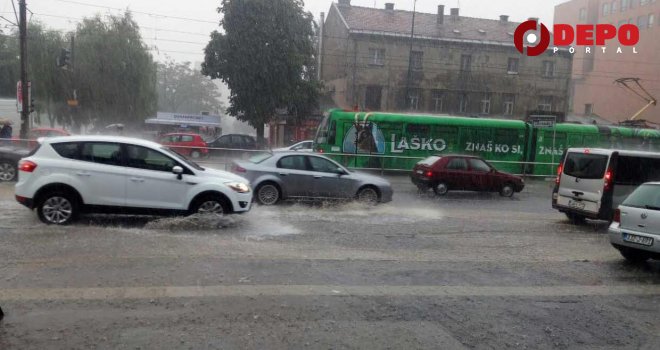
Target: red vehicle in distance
[[36, 133], [463, 173], [188, 144]]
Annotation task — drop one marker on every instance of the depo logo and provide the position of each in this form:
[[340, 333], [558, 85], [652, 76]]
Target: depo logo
[[586, 35]]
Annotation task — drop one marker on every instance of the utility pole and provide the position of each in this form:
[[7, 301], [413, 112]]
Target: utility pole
[[412, 39], [25, 112]]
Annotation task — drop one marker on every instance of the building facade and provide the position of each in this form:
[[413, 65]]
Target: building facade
[[452, 65], [593, 89]]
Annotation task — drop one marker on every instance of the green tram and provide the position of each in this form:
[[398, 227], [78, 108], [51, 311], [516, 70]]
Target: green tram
[[394, 141]]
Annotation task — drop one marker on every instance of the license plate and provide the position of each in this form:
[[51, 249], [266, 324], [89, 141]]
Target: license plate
[[420, 172], [575, 204], [630, 238]]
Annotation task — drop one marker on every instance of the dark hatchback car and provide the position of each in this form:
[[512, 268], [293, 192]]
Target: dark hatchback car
[[9, 157], [232, 144], [463, 173]]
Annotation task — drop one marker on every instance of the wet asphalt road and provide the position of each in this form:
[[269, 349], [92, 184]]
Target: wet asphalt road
[[468, 270]]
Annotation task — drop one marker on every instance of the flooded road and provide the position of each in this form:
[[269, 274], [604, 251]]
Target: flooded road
[[466, 270]]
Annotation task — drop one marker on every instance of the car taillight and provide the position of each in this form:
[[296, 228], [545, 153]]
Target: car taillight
[[429, 174], [617, 216], [560, 168], [320, 150], [239, 169], [608, 180], [27, 166]]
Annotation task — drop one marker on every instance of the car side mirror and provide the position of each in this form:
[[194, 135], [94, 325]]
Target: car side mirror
[[341, 171], [178, 171]]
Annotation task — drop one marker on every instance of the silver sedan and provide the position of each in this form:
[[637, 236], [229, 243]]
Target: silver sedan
[[292, 175]]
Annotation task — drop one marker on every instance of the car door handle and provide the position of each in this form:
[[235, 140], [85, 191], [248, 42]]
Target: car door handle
[[137, 179], [317, 176], [83, 173], [641, 226], [283, 174]]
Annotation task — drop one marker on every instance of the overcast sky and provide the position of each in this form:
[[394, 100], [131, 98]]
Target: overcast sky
[[184, 38]]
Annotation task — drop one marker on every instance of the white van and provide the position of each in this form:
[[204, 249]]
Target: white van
[[591, 183]]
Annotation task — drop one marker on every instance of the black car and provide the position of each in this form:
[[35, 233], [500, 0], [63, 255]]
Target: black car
[[232, 144], [9, 157]]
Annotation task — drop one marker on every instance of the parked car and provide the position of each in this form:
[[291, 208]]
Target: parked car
[[67, 176], [292, 175], [9, 157], [463, 173], [233, 144], [591, 183], [302, 146], [36, 133], [635, 229], [188, 144]]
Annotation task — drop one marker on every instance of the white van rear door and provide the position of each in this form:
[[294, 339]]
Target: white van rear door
[[582, 180]]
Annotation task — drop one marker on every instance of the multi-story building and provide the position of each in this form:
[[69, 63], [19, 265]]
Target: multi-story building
[[452, 64], [594, 73]]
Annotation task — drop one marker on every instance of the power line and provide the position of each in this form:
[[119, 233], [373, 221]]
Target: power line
[[138, 12]]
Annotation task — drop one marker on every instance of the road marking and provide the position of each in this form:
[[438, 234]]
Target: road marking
[[120, 293]]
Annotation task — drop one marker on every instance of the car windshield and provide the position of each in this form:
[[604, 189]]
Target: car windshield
[[260, 157], [430, 160], [645, 196], [585, 165], [173, 153]]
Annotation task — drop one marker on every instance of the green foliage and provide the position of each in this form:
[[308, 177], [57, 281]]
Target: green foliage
[[185, 90], [114, 73], [266, 57]]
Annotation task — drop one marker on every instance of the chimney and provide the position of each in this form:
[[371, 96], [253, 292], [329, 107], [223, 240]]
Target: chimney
[[454, 13], [344, 2], [441, 14], [504, 18], [389, 6]]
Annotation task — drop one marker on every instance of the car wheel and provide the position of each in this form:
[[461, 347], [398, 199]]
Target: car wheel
[[195, 154], [633, 255], [7, 171], [368, 195], [57, 208], [507, 190], [268, 194], [210, 205], [441, 188]]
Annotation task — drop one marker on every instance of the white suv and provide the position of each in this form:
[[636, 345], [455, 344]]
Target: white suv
[[69, 175]]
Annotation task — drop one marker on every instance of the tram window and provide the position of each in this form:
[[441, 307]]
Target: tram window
[[332, 132], [574, 140], [506, 136], [417, 129]]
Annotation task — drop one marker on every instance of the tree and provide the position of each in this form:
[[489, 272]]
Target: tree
[[114, 74], [186, 90], [265, 56]]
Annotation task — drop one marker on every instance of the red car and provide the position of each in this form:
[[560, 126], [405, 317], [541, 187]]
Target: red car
[[188, 144], [463, 173], [36, 133]]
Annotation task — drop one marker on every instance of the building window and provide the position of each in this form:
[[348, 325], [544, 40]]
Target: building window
[[606, 9], [624, 5], [377, 57], [583, 14], [466, 63], [651, 20], [622, 22], [613, 9], [462, 103], [414, 97], [416, 59], [509, 100], [437, 97], [588, 109], [548, 69], [485, 104], [642, 22], [512, 66], [643, 2], [545, 103]]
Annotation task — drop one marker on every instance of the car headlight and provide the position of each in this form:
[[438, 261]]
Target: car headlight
[[238, 187]]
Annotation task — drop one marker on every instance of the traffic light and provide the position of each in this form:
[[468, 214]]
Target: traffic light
[[64, 59], [32, 105]]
